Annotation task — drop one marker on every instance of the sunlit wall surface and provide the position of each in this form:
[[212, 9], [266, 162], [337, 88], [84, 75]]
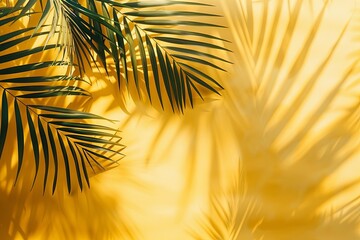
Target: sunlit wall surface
[[276, 156]]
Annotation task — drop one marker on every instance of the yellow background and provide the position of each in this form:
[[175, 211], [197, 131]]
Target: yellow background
[[256, 153]]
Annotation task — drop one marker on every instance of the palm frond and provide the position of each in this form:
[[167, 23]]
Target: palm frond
[[62, 138], [137, 36], [172, 59]]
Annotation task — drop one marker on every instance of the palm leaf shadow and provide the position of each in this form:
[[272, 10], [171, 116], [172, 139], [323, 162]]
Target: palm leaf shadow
[[229, 213], [287, 180], [252, 110], [26, 215]]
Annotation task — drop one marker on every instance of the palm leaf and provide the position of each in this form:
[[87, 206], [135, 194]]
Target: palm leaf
[[126, 32], [143, 25], [60, 137]]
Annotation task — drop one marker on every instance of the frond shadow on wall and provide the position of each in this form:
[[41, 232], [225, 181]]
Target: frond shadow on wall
[[266, 112], [287, 162]]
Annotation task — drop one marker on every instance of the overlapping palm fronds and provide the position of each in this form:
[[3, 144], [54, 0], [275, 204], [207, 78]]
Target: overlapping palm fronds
[[132, 37], [140, 38], [107, 33], [60, 137]]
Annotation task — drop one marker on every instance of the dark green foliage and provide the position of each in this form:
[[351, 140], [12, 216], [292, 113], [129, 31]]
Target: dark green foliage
[[144, 44]]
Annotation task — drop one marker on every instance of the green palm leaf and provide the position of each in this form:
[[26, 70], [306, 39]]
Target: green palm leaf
[[122, 33], [139, 40], [173, 70], [59, 136]]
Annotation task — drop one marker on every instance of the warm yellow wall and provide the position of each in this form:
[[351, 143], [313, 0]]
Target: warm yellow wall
[[173, 164]]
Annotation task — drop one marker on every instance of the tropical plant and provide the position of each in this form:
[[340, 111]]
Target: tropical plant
[[289, 117], [64, 40]]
